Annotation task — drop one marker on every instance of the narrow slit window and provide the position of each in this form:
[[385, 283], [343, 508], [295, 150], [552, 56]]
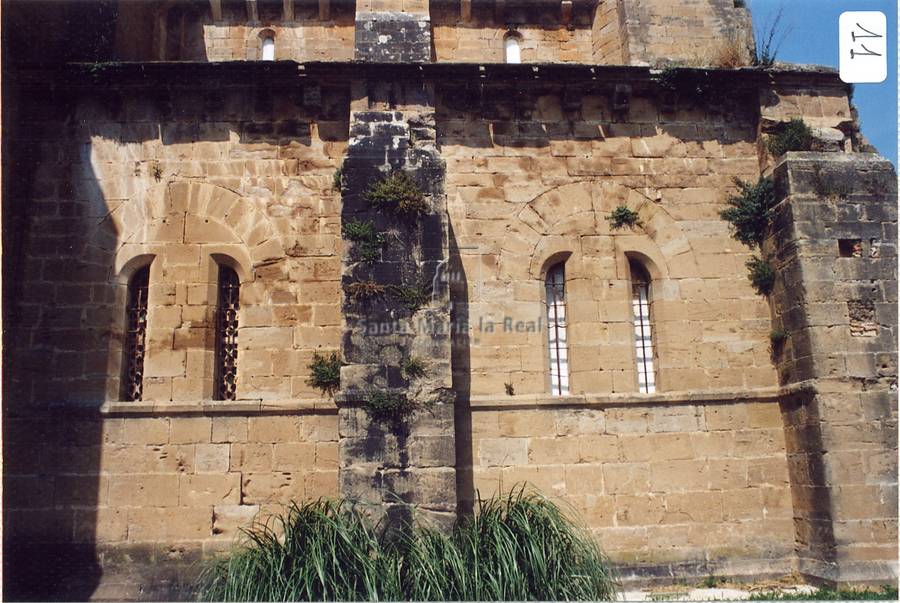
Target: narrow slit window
[[226, 334], [268, 48], [643, 336], [513, 48], [556, 330], [135, 335]]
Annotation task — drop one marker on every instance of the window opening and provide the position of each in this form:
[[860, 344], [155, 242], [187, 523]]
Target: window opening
[[226, 334], [556, 330], [135, 335]]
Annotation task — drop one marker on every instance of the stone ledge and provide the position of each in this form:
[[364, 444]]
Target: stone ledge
[[207, 407], [717, 396]]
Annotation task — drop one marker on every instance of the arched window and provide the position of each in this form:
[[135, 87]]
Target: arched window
[[512, 47], [135, 335], [643, 336], [267, 52], [555, 284], [227, 307]]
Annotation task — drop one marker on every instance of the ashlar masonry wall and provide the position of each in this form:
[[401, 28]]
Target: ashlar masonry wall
[[180, 178]]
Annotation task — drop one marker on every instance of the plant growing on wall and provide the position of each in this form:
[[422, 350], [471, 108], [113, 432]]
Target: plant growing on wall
[[336, 179], [793, 136], [751, 211], [762, 275], [325, 373], [412, 367], [399, 194], [412, 297], [365, 290], [388, 407], [368, 241], [622, 217]]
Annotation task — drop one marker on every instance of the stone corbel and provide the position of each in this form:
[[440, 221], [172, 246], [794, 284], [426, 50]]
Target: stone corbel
[[215, 7], [500, 11], [465, 10], [565, 13], [324, 10], [288, 11], [252, 11]]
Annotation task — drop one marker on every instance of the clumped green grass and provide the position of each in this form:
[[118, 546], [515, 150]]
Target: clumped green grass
[[517, 547], [886, 593], [320, 551]]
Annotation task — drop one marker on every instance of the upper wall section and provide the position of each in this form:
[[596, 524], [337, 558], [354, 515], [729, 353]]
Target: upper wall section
[[232, 30], [700, 32], [594, 32]]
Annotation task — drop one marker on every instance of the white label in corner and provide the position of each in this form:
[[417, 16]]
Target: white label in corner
[[863, 46]]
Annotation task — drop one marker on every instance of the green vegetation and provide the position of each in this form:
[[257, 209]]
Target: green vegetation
[[368, 241], [886, 593], [793, 136], [777, 338], [622, 217], [336, 179], [398, 193], [516, 547], [751, 211], [510, 389], [762, 275], [412, 367], [412, 297], [325, 373], [388, 407]]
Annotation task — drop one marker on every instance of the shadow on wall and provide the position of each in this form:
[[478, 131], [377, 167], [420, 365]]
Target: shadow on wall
[[57, 338], [461, 376], [65, 305]]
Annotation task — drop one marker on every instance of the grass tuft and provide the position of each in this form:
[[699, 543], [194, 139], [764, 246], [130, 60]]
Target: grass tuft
[[517, 547]]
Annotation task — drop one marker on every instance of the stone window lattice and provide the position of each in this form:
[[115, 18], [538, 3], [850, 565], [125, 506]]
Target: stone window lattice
[[227, 307], [555, 284], [643, 335], [135, 335]]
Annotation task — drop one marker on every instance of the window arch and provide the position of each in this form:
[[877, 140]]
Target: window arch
[[267, 45], [227, 306], [512, 47], [557, 341], [135, 335], [643, 335]]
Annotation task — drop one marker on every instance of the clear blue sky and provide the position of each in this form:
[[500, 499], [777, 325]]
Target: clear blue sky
[[813, 38]]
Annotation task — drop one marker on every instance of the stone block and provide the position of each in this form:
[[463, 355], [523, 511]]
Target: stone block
[[273, 429], [229, 429], [146, 431], [209, 489], [190, 430], [502, 452], [211, 458]]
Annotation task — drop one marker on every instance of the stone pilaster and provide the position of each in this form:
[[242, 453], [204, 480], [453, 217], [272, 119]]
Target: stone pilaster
[[406, 467], [834, 248]]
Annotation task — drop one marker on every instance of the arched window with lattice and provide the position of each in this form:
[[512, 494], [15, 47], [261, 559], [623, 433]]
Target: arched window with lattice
[[643, 328], [227, 308], [555, 286], [135, 335]]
